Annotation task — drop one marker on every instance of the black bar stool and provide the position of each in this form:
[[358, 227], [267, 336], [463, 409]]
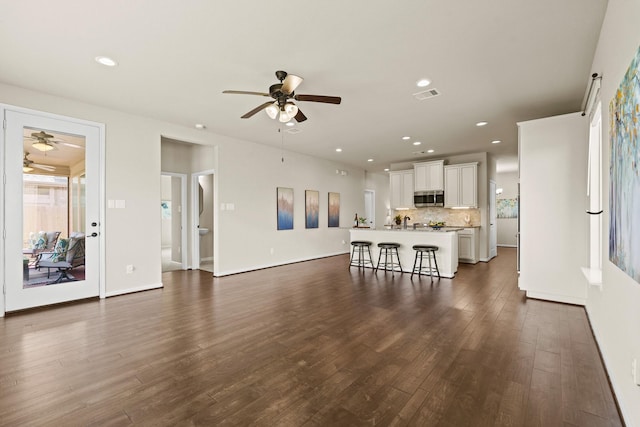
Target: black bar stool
[[430, 252], [389, 263], [361, 260]]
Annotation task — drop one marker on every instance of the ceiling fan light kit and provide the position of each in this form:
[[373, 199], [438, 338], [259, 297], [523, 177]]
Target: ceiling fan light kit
[[283, 108], [42, 146]]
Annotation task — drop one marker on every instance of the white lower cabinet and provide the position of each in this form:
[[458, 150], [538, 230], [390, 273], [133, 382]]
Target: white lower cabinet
[[468, 245]]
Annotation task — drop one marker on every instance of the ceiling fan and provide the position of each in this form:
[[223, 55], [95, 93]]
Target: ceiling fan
[[28, 165], [45, 141], [283, 108]]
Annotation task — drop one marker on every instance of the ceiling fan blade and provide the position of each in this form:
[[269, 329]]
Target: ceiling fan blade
[[255, 110], [68, 144], [245, 92], [300, 117], [43, 167], [41, 135], [290, 83], [319, 98]]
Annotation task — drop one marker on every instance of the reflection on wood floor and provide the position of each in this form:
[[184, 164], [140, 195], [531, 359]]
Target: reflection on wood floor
[[313, 343]]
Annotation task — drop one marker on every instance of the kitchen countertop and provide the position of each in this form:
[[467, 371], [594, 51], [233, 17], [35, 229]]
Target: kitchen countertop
[[420, 229]]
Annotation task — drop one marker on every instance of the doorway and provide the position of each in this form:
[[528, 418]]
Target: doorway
[[174, 221], [370, 207], [203, 196], [52, 209], [493, 221]]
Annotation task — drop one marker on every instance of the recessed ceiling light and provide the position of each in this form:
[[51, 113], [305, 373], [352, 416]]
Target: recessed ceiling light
[[406, 137], [339, 150], [104, 60], [482, 123], [369, 160], [386, 169], [417, 143], [430, 151], [200, 126], [496, 141], [423, 83], [290, 124]]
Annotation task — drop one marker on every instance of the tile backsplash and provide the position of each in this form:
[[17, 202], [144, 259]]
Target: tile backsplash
[[451, 217]]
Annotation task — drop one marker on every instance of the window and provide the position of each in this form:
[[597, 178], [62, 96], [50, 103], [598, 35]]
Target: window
[[594, 189]]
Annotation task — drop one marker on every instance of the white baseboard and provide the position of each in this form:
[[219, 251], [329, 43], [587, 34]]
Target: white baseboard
[[275, 264], [507, 246], [132, 290], [205, 259], [606, 363], [556, 298]]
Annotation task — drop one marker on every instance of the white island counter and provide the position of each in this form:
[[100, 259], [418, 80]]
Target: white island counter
[[445, 239]]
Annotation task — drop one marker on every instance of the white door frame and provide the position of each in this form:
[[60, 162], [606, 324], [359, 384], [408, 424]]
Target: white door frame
[[183, 215], [101, 197], [195, 219]]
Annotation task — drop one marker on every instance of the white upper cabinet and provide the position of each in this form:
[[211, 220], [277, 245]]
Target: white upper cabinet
[[429, 176], [401, 189], [461, 185]]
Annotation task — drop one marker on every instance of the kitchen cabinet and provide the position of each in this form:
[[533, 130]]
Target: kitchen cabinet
[[429, 176], [401, 189], [468, 245], [461, 185]]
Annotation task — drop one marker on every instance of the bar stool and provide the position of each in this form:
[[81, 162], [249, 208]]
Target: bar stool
[[389, 264], [361, 260], [430, 252]]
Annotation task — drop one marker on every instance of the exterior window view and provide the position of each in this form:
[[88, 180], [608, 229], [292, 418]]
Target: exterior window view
[[53, 209]]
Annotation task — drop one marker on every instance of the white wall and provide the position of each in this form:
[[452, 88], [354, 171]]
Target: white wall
[[507, 227], [246, 173], [553, 223], [614, 310]]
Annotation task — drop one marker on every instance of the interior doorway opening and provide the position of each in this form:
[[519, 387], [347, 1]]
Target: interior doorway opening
[[203, 220], [370, 208], [174, 221]]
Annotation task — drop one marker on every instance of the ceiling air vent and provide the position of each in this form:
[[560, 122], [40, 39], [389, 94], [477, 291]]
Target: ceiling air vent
[[294, 130], [426, 94]]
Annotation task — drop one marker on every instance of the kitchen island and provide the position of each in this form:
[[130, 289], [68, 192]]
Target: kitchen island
[[445, 239]]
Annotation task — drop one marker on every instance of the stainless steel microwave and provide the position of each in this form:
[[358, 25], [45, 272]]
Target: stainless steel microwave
[[427, 199]]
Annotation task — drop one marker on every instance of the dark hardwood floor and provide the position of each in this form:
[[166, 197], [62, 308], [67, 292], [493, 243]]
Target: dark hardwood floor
[[312, 343]]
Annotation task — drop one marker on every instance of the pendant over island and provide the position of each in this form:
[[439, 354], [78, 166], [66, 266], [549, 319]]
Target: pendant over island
[[446, 239]]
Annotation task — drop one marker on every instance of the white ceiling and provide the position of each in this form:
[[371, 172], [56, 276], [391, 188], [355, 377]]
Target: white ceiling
[[502, 61]]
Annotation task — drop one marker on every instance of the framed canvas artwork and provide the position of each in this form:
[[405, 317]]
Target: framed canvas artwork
[[311, 208], [285, 208], [334, 209], [624, 173]]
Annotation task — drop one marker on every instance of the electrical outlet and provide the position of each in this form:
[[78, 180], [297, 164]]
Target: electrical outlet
[[343, 242], [130, 269]]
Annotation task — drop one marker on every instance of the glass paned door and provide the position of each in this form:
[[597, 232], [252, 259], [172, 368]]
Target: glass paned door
[[52, 245]]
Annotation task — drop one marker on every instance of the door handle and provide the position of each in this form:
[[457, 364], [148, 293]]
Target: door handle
[[94, 234]]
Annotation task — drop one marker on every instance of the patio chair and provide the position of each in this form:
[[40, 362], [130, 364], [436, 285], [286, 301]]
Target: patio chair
[[68, 254], [44, 241]]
